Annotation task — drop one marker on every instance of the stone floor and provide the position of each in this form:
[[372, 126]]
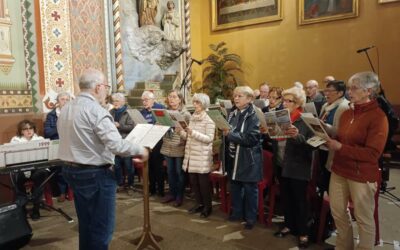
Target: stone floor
[[183, 231]]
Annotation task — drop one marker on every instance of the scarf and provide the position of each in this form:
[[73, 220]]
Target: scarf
[[119, 112], [330, 107]]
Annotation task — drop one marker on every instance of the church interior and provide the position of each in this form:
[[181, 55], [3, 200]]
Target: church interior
[[161, 45]]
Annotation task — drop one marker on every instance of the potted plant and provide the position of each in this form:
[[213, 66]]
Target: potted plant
[[221, 75]]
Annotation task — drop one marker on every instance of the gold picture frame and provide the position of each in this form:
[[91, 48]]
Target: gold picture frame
[[233, 14], [388, 1], [311, 11]]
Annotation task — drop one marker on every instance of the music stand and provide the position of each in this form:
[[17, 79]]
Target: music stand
[[30, 197]]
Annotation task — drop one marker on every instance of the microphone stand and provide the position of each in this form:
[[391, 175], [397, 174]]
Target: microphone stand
[[184, 82], [369, 60]]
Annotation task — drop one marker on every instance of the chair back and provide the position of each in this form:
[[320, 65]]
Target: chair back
[[268, 170]]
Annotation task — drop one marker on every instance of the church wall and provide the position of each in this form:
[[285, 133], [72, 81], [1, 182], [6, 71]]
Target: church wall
[[283, 52]]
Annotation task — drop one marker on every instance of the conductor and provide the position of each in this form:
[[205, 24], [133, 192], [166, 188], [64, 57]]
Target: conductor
[[89, 141]]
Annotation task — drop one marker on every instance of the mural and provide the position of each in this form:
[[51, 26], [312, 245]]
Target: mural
[[18, 81], [6, 58]]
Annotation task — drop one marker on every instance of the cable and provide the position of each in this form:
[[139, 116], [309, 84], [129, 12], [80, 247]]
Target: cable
[[384, 196]]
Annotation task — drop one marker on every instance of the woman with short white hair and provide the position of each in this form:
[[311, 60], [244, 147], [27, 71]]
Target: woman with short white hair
[[361, 138], [243, 157], [292, 157], [198, 158], [124, 124]]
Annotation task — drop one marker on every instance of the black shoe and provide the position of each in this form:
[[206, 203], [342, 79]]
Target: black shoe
[[282, 233], [248, 226], [35, 215], [205, 213], [303, 243], [196, 209]]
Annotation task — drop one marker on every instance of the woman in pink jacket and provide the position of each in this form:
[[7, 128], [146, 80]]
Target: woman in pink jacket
[[198, 154]]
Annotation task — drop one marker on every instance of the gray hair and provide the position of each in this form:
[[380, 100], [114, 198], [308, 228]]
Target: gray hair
[[148, 94], [62, 94], [90, 78], [245, 90], [298, 94], [203, 99], [366, 80], [118, 96], [313, 83]]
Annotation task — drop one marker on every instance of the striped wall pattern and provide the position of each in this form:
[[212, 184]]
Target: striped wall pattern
[[119, 70], [188, 54]]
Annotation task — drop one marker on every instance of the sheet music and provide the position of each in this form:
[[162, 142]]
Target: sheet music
[[136, 116], [277, 122], [163, 118], [218, 119], [178, 118], [309, 107], [261, 117], [147, 135], [316, 127]]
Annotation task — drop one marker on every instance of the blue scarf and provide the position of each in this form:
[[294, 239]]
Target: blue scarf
[[119, 112]]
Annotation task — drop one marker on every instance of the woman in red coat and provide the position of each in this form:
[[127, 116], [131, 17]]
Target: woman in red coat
[[360, 141]]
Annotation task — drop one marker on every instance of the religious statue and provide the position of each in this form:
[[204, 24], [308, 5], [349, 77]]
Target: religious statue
[[171, 22], [148, 12]]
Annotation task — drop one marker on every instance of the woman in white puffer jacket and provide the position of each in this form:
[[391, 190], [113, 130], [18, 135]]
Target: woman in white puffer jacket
[[198, 159]]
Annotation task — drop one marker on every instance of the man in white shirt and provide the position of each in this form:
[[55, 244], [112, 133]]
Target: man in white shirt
[[89, 141]]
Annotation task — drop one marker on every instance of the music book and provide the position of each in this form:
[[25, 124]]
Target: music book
[[219, 119], [136, 116], [147, 135], [226, 106], [178, 118], [277, 122], [261, 117], [163, 117], [317, 128], [260, 103], [309, 107]]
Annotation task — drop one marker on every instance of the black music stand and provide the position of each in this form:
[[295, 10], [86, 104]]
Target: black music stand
[[30, 197]]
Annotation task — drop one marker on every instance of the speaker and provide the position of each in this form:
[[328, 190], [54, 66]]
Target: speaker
[[15, 231]]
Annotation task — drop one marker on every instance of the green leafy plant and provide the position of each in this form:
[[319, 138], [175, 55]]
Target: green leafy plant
[[222, 73]]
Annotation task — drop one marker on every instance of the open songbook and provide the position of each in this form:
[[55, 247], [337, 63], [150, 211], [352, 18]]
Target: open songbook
[[309, 107], [277, 122], [136, 116], [320, 135], [219, 119], [178, 118], [147, 135], [163, 117]]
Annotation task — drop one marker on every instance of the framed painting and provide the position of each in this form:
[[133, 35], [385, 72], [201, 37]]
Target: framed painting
[[315, 11], [226, 14], [142, 35], [388, 1]]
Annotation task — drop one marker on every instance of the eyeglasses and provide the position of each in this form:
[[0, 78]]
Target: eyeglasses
[[106, 86], [29, 128], [289, 101], [274, 98], [311, 87], [328, 91]]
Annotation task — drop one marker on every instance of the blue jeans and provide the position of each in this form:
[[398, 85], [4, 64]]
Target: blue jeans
[[94, 196], [121, 162], [244, 201], [176, 178]]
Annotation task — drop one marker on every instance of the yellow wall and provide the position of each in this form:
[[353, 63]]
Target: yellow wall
[[283, 52]]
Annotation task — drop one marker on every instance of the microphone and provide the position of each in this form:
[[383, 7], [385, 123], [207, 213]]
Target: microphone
[[197, 61], [365, 49]]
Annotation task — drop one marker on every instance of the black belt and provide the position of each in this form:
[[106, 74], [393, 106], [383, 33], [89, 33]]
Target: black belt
[[78, 165]]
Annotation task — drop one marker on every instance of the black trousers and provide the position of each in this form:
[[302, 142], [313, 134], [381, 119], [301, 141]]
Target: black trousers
[[201, 187], [295, 205], [37, 177], [156, 171]]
